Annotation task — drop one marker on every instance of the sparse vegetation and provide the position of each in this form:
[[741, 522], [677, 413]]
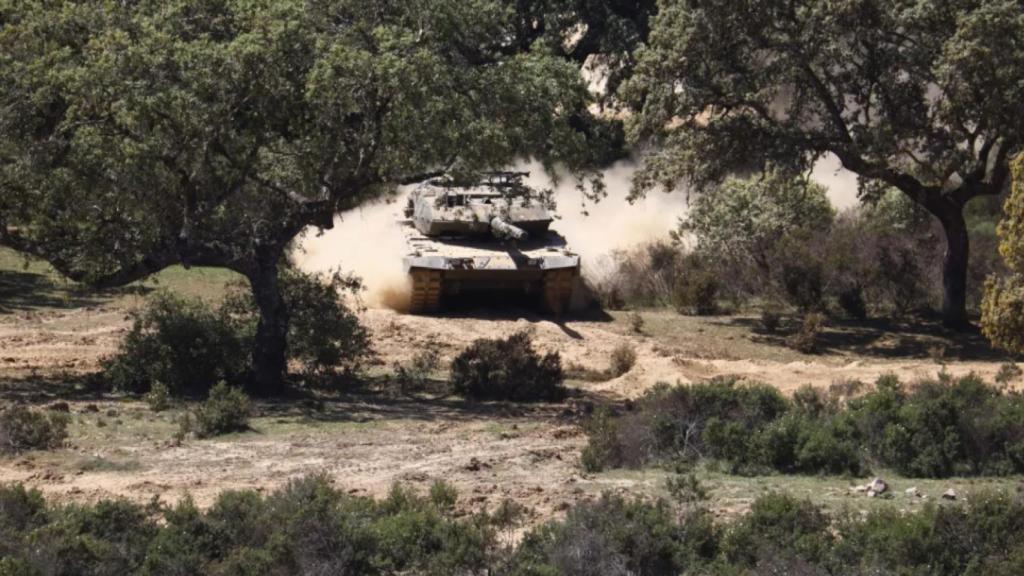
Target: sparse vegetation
[[622, 360], [935, 429], [415, 376], [182, 343], [1009, 372], [636, 322], [309, 526], [226, 410], [159, 397], [22, 429], [806, 338], [189, 345], [507, 369]]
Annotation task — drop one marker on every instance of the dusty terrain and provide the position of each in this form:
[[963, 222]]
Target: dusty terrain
[[366, 440]]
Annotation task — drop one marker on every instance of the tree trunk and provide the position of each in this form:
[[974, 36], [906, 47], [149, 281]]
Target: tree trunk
[[954, 268], [269, 354]]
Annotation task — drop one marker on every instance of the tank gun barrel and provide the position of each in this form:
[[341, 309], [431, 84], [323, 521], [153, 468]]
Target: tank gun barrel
[[502, 229]]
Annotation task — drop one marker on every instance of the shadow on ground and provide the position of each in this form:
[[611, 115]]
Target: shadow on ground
[[30, 291]]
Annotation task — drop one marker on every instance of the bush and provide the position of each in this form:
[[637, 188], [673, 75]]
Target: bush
[[778, 522], [324, 334], [943, 427], [184, 344], [611, 536], [507, 369], [311, 527], [806, 338], [415, 376], [226, 410], [937, 429], [23, 429], [189, 345], [696, 292], [159, 397], [623, 359], [636, 322]]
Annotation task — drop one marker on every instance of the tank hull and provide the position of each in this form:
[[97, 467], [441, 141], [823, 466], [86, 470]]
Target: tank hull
[[542, 270]]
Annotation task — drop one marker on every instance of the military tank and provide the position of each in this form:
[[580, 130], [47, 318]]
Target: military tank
[[489, 236]]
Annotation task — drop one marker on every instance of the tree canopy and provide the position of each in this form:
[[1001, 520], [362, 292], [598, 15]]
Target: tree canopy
[[138, 135], [920, 95], [743, 219]]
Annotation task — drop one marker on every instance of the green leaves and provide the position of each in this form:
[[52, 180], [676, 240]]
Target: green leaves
[[208, 129], [1002, 311], [891, 87]]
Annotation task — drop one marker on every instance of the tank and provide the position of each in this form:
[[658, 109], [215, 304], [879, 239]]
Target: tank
[[489, 237]]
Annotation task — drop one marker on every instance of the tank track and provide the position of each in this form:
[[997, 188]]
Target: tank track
[[426, 291], [558, 290]]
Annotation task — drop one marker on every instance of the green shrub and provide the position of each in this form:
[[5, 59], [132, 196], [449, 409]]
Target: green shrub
[[189, 345], [415, 376], [806, 338], [159, 397], [226, 410], [24, 429], [507, 369], [622, 360], [311, 527], [182, 343], [696, 292], [712, 419], [936, 428], [943, 427], [612, 535], [443, 495], [604, 446], [778, 523], [324, 334]]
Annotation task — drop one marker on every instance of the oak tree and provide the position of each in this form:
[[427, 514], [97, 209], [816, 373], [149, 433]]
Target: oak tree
[[919, 95], [139, 135]]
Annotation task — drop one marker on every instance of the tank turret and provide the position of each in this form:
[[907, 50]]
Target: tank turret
[[490, 236], [500, 206]]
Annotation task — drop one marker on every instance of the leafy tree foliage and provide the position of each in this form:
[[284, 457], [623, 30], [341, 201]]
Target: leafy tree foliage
[[1003, 308], [138, 135], [920, 96], [743, 220]]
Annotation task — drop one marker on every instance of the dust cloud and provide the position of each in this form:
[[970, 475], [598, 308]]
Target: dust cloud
[[368, 242], [597, 230]]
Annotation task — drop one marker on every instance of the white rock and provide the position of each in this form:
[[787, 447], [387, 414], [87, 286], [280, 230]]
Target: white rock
[[949, 494], [878, 486]]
